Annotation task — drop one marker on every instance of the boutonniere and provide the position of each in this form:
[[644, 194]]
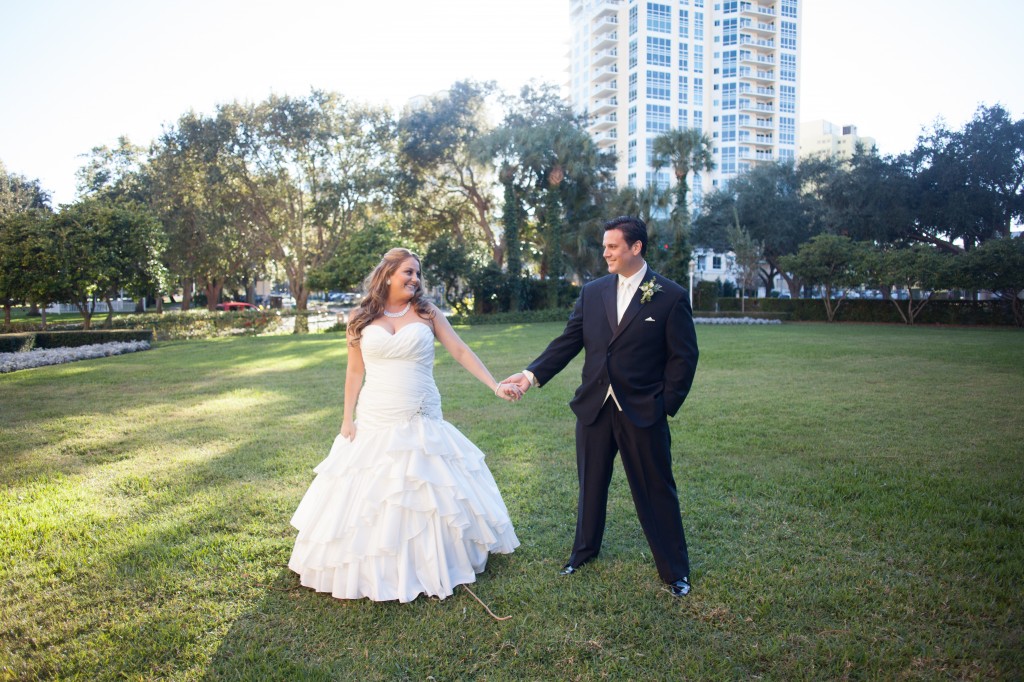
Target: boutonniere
[[649, 289]]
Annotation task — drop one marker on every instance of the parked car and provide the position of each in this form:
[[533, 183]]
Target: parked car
[[235, 305]]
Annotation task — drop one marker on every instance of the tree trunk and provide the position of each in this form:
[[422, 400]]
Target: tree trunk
[[109, 322], [301, 318], [186, 294], [7, 312]]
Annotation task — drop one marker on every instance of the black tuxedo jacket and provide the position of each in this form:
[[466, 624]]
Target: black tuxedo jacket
[[649, 358]]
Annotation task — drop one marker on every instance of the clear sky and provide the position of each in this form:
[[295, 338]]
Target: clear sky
[[78, 74]]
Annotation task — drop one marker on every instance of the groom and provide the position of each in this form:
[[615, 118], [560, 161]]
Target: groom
[[641, 353]]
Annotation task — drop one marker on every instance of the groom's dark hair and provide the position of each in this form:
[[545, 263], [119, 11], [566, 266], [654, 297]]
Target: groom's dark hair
[[633, 230]]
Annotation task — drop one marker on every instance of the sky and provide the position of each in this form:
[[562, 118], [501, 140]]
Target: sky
[[78, 74]]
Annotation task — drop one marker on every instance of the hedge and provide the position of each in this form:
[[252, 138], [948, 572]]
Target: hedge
[[26, 341], [938, 311]]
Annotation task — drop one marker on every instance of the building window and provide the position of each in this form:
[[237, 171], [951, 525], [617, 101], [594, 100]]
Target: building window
[[698, 119], [728, 96], [684, 56], [788, 40], [787, 67], [631, 158], [729, 128], [702, 262], [658, 118], [698, 25], [659, 180], [684, 90], [659, 85], [728, 160], [632, 87], [787, 130], [631, 179], [684, 23], [698, 92], [659, 18], [716, 262], [698, 59], [730, 31], [787, 99], [632, 120], [659, 51], [786, 155], [789, 8], [632, 54], [729, 62], [684, 120], [698, 3], [730, 7], [633, 21]]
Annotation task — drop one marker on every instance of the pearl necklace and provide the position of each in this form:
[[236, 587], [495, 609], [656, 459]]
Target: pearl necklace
[[404, 311]]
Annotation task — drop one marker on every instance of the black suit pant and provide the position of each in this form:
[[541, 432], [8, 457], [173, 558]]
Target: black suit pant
[[647, 461]]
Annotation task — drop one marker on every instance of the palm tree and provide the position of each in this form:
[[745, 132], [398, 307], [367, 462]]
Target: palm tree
[[686, 150]]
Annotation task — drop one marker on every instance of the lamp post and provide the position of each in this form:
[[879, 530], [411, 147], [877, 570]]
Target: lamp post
[[693, 268]]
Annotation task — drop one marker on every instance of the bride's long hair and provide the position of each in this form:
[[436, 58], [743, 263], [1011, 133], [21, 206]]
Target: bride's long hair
[[377, 284]]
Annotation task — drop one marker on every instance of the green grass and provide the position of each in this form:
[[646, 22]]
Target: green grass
[[853, 498]]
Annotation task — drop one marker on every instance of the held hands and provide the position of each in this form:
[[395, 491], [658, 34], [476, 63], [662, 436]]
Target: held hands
[[508, 391], [519, 380]]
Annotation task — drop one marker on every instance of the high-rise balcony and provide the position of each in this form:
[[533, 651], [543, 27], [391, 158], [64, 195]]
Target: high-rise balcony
[[603, 89], [756, 9], [765, 124], [752, 41], [604, 24], [604, 73], [748, 105], [602, 57], [606, 122], [604, 41], [759, 27], [757, 92], [605, 7], [599, 107]]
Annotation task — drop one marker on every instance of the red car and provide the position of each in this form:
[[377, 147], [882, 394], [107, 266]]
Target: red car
[[234, 305]]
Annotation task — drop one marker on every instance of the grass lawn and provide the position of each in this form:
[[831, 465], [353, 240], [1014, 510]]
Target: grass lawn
[[853, 498]]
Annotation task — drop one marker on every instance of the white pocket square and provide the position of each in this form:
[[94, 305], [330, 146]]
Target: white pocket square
[[649, 319]]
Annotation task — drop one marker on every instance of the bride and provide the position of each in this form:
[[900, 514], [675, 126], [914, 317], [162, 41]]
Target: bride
[[404, 504]]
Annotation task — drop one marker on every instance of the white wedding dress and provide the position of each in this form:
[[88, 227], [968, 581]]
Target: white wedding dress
[[408, 507]]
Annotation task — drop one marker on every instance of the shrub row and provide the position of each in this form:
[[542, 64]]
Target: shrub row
[[868, 310], [26, 341]]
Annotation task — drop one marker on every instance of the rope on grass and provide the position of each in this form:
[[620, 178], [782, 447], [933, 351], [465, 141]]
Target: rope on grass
[[485, 605]]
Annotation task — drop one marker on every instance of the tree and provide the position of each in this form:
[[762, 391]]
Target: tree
[[102, 248], [968, 183], [831, 261], [447, 180], [307, 174], [686, 150], [18, 194], [447, 265], [998, 266], [354, 258], [918, 268], [778, 207], [748, 259]]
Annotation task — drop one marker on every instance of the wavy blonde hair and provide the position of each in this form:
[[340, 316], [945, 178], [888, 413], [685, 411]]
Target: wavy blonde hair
[[376, 285]]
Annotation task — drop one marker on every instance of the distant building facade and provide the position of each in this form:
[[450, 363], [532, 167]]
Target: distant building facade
[[821, 137]]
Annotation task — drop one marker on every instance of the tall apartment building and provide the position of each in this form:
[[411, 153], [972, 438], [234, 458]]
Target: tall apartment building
[[822, 137], [730, 68]]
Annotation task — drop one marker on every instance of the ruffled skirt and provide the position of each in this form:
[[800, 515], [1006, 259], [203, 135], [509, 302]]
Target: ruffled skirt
[[400, 512]]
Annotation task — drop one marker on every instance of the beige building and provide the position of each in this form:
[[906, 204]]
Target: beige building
[[821, 137]]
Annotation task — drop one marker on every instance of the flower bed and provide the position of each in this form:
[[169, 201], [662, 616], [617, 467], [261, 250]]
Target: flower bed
[[735, 320], [10, 362]]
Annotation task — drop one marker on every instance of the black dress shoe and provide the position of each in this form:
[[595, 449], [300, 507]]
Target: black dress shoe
[[680, 588], [568, 569]]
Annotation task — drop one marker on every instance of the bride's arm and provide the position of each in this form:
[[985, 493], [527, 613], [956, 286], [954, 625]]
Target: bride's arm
[[462, 353], [354, 371]]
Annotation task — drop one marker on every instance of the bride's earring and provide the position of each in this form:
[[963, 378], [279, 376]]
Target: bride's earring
[[388, 282]]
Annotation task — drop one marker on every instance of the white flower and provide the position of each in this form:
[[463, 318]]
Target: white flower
[[10, 362]]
